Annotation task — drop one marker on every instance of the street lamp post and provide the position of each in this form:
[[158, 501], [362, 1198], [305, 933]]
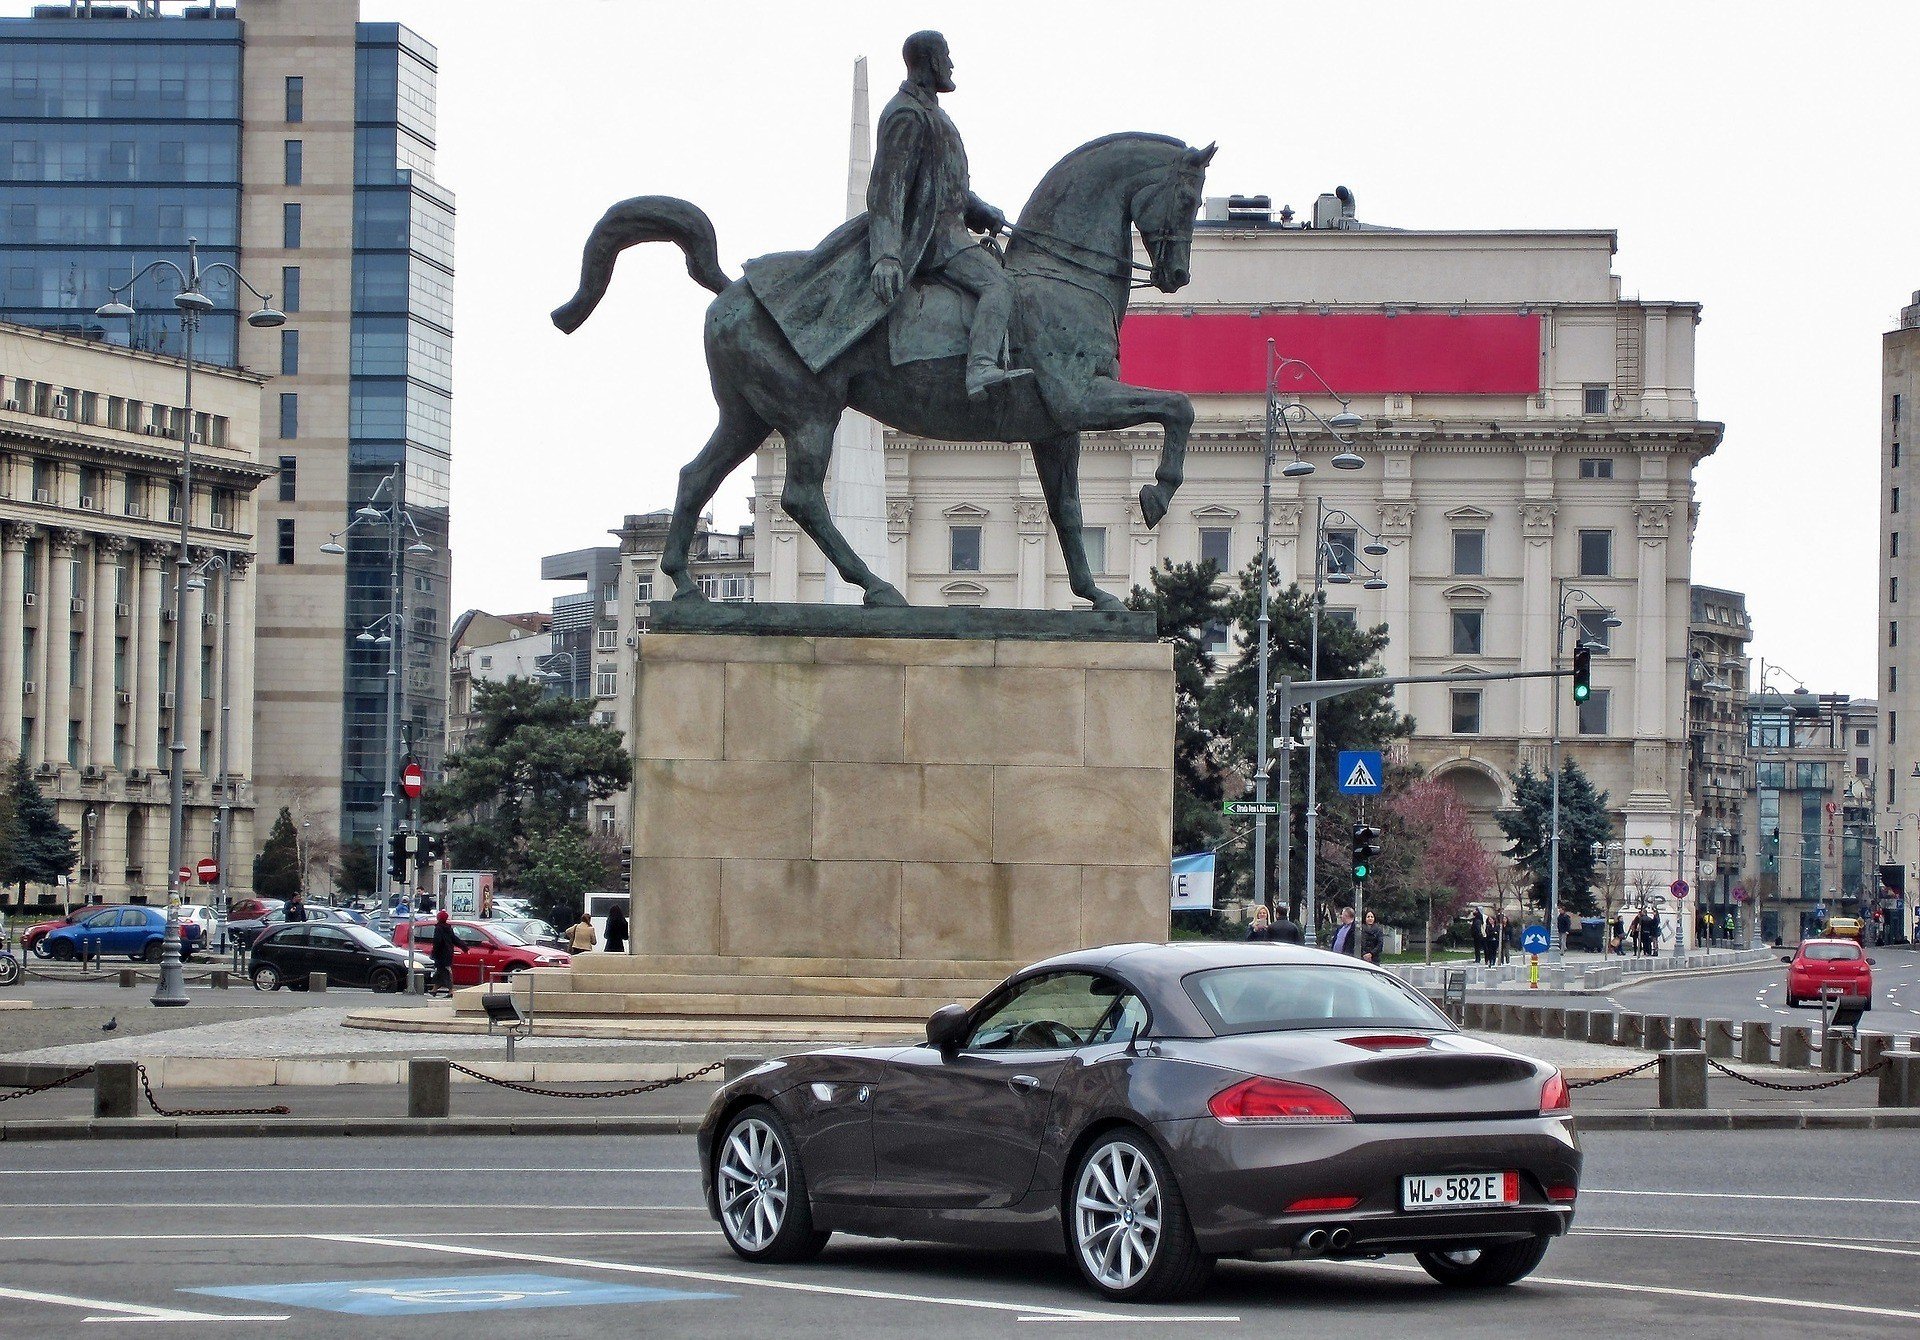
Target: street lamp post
[[1556, 944], [551, 677], [1698, 671], [193, 303], [1279, 418], [392, 632]]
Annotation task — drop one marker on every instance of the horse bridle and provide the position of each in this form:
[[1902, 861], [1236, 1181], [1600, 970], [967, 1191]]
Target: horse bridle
[[1129, 270]]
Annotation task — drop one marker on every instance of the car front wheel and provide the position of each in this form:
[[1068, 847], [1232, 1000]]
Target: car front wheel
[[1484, 1267], [385, 982], [63, 951], [1127, 1226], [266, 977], [764, 1211]]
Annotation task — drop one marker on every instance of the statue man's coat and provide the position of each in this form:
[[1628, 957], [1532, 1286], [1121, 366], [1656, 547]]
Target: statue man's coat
[[919, 207]]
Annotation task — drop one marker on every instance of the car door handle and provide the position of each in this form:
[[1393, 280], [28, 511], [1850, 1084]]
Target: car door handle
[[1024, 1082]]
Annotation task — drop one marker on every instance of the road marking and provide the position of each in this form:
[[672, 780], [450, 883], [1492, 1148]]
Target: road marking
[[1742, 1195], [1764, 1240], [123, 1311], [738, 1281]]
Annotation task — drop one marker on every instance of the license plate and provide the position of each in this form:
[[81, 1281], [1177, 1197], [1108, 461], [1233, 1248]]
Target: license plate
[[1449, 1191]]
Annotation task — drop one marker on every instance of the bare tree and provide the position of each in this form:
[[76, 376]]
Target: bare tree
[[316, 825]]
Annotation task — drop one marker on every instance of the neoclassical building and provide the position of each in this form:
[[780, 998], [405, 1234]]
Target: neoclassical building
[[89, 533], [1529, 439]]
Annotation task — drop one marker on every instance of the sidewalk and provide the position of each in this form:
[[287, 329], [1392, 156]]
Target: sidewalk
[[1582, 973]]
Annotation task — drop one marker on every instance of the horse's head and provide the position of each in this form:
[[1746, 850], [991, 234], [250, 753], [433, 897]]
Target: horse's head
[[1164, 208]]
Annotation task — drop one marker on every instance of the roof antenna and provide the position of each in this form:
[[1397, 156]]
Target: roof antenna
[[1133, 1043]]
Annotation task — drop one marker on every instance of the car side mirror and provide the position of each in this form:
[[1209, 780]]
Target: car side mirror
[[1786, 958], [1872, 961], [947, 1026]]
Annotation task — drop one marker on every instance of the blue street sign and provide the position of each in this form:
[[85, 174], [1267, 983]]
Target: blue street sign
[[1360, 772], [1533, 940], [452, 1293]]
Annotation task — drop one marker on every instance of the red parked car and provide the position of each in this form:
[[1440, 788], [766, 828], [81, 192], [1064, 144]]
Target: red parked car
[[482, 951], [1828, 967]]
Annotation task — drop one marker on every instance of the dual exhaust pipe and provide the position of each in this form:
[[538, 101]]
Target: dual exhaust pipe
[[1319, 1241]]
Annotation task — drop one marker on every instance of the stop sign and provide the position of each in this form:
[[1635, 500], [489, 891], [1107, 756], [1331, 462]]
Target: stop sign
[[208, 870], [412, 780], [185, 874]]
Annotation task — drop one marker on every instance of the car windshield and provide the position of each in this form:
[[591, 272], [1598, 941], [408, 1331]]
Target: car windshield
[[1829, 953], [506, 936], [1273, 997], [363, 937]]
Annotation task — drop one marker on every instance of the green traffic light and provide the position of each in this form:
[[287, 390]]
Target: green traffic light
[[1580, 692], [1359, 871]]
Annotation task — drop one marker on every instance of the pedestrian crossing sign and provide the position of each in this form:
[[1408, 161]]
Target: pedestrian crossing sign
[[1360, 772]]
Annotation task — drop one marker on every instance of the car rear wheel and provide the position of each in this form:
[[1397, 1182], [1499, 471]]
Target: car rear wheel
[[1485, 1267], [385, 981], [266, 977], [764, 1211], [153, 952], [1127, 1226]]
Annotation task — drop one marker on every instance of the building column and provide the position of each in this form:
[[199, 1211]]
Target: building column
[[899, 523], [192, 624], [100, 635], [146, 680], [1540, 611], [240, 676], [56, 627], [13, 615], [1654, 726], [1030, 561], [1396, 532]]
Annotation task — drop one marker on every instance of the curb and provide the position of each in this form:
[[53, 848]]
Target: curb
[[229, 1128], [1639, 979], [1768, 1119]]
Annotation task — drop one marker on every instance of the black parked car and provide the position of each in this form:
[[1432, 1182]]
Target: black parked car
[[349, 955]]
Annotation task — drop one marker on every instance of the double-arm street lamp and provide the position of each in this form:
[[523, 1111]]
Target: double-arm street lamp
[[1566, 617], [553, 678], [193, 302], [1281, 415], [389, 630]]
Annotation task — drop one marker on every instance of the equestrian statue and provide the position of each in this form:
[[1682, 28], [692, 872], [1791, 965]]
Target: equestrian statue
[[901, 314]]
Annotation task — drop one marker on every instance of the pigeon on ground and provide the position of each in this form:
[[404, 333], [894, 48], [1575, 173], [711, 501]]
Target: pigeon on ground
[[110, 1025]]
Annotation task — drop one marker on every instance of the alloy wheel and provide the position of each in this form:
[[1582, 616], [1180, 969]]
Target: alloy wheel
[[753, 1184], [1117, 1213]]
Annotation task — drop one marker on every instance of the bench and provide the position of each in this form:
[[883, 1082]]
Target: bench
[[504, 1015]]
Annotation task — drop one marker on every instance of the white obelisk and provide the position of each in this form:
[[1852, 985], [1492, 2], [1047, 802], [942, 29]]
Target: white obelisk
[[857, 478]]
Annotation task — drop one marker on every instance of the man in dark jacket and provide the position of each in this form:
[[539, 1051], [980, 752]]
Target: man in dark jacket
[[296, 908], [443, 944]]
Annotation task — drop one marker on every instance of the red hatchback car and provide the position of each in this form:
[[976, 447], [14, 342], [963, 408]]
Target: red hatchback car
[[1828, 967], [482, 951]]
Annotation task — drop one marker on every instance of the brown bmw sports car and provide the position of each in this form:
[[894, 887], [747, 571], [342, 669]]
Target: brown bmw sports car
[[1151, 1108]]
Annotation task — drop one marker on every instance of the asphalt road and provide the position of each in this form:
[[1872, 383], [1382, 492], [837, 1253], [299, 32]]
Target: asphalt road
[[1743, 1234], [1760, 993]]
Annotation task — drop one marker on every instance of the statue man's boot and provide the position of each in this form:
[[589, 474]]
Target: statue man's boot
[[983, 375], [987, 342]]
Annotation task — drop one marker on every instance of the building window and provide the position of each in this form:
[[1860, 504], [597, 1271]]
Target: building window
[[1860, 738], [284, 554], [963, 548], [1467, 629], [1596, 467], [1890, 800], [294, 154], [1893, 679], [1893, 590], [1896, 497], [1863, 769], [296, 99], [289, 288], [1339, 614], [1216, 547], [289, 414], [1893, 632], [289, 353], [1596, 553], [606, 683], [1094, 540], [1340, 551], [606, 639], [290, 226], [603, 816], [1593, 712], [1469, 553], [1218, 640], [1810, 776], [1593, 400], [1896, 407], [1466, 711], [1893, 545], [1594, 631], [1893, 728], [1896, 455], [289, 476]]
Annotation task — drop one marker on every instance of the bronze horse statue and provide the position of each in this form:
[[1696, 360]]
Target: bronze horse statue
[[1070, 262]]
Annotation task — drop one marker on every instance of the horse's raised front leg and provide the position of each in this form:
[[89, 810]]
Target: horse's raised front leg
[[737, 436], [809, 448], [1112, 404], [1057, 460]]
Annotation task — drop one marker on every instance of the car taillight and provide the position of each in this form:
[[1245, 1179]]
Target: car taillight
[[1275, 1102], [1555, 1096], [1563, 1194], [1322, 1204]]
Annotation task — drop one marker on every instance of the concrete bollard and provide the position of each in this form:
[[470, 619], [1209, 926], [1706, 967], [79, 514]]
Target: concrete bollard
[[1476, 1016], [1689, 1034], [1557, 977], [1630, 1030], [1600, 1025], [126, 977], [1659, 1033], [429, 1087], [1553, 1022], [1836, 1052], [221, 979], [316, 981], [1575, 1023], [116, 1088], [739, 1065], [1796, 1046], [1756, 1042], [1718, 1038], [1530, 1025], [1874, 1048], [1683, 1078], [1900, 1081], [1513, 1019]]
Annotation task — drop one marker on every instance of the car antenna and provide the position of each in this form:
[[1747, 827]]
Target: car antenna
[[1133, 1043]]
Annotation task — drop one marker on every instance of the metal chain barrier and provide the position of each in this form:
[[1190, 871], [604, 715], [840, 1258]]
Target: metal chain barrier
[[1731, 1073], [27, 1090], [146, 1086], [1608, 1079], [651, 1086]]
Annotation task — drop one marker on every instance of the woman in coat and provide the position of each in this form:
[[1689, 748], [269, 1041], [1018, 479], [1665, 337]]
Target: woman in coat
[[443, 943], [580, 936], [617, 930]]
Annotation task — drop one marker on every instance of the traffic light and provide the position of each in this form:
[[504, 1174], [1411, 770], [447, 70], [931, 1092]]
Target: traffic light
[[1366, 846], [433, 847], [1582, 673], [626, 866], [397, 856]]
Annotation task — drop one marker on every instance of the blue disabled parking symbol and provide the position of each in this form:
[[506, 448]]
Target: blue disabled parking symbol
[[451, 1293]]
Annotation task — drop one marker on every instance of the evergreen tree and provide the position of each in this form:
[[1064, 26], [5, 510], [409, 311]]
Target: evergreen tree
[[1584, 821], [276, 870], [1186, 606], [40, 849], [559, 871]]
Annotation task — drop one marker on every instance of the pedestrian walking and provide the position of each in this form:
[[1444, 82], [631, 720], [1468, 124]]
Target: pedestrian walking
[[617, 930], [580, 936], [1566, 927], [1373, 940], [443, 944], [296, 908], [1480, 937], [1619, 934]]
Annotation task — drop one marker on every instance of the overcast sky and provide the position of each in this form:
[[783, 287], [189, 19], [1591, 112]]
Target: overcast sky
[[1754, 157]]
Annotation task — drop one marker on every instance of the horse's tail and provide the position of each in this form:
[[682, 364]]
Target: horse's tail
[[645, 218]]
